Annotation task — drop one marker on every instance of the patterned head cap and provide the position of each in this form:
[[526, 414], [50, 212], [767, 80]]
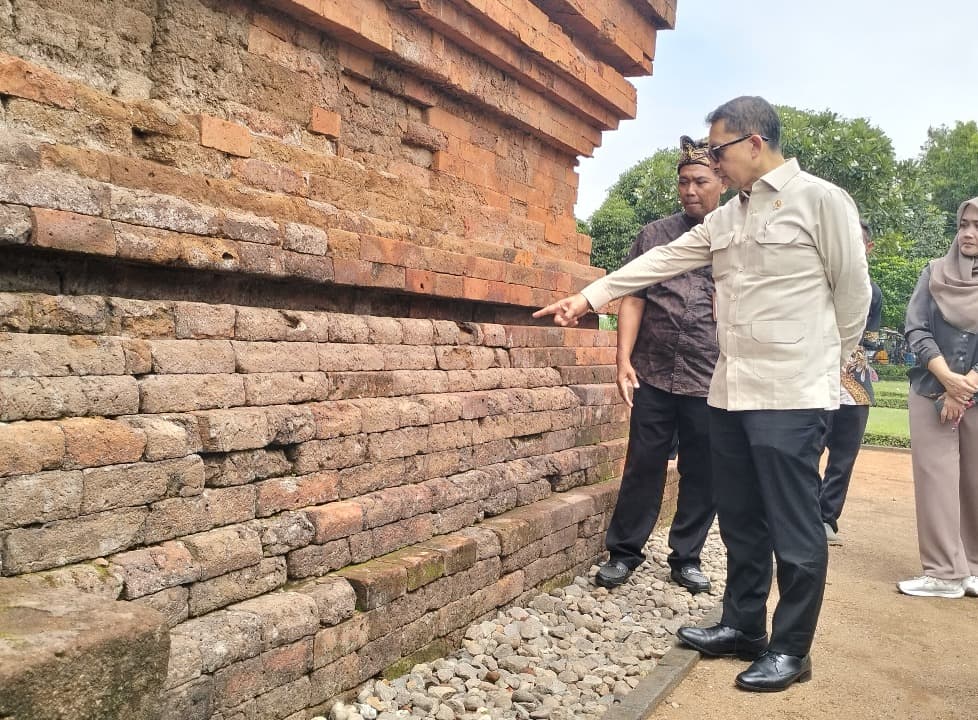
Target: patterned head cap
[[693, 152]]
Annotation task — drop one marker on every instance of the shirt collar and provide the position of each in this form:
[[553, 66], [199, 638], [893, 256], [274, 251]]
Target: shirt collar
[[781, 175]]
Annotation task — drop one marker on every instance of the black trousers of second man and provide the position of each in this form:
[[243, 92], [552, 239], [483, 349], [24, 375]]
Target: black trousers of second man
[[767, 502], [656, 416]]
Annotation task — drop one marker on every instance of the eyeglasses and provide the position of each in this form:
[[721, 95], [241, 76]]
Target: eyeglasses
[[715, 152]]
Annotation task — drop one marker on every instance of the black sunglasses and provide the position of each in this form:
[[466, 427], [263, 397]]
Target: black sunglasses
[[715, 152]]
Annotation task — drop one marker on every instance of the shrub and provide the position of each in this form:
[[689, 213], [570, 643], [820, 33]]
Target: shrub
[[891, 372]]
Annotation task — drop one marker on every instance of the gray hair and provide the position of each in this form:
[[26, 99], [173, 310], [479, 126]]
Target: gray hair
[[750, 114]]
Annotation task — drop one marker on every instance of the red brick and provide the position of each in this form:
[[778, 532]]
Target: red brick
[[376, 583], [91, 442], [22, 79], [70, 231], [335, 520], [227, 137], [325, 122], [290, 493]]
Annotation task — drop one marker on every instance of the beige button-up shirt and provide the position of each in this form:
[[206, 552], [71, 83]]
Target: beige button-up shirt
[[792, 289]]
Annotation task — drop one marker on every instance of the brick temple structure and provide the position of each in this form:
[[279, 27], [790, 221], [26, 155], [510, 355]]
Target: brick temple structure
[[267, 365]]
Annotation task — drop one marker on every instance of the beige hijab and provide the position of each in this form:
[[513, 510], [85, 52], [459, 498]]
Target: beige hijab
[[954, 283]]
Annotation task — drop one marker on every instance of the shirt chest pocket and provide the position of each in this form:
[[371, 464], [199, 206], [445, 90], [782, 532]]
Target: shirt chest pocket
[[722, 254], [785, 249]]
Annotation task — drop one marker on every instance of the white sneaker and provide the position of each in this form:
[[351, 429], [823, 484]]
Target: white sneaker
[[927, 586], [970, 584], [831, 535]]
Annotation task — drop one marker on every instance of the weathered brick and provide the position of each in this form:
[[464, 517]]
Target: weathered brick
[[375, 583], [286, 388], [260, 357], [202, 320], [221, 551], [26, 80], [45, 355], [422, 564], [334, 642], [333, 596], [48, 398], [91, 442], [263, 324], [183, 393], [335, 520], [223, 637], [15, 225], [290, 424], [328, 454], [251, 228], [212, 508], [287, 700], [29, 447], [70, 231], [283, 532], [149, 570], [190, 701], [50, 189], [334, 357], [316, 560], [249, 582], [234, 429], [192, 356], [241, 468], [171, 603], [325, 122], [330, 680], [289, 493], [167, 436], [167, 212], [305, 239], [67, 541], [115, 486], [286, 617], [40, 498], [228, 137]]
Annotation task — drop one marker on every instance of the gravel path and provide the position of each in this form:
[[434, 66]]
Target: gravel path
[[570, 653]]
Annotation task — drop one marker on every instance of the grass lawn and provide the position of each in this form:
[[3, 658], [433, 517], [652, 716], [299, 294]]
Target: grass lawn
[[888, 423]]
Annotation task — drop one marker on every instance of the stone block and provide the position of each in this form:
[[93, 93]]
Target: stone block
[[335, 520], [74, 654], [334, 597], [40, 497], [284, 532], [223, 637], [375, 583], [315, 560], [228, 137], [224, 550], [237, 585], [286, 617], [213, 507], [334, 642], [184, 393], [92, 442], [150, 570]]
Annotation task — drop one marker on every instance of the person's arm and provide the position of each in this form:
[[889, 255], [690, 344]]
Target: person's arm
[[629, 322], [920, 335], [688, 252], [871, 334], [840, 243]]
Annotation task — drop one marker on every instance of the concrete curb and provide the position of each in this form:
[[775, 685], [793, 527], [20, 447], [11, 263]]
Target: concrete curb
[[671, 669]]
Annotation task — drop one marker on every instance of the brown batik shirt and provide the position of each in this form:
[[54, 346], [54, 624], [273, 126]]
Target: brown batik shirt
[[676, 348]]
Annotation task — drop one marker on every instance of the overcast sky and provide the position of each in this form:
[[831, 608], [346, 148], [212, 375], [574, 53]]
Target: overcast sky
[[904, 65]]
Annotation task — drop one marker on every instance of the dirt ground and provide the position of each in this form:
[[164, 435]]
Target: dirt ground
[[877, 653]]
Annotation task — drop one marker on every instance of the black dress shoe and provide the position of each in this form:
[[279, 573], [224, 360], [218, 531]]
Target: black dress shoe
[[691, 578], [612, 574], [773, 671], [723, 641]]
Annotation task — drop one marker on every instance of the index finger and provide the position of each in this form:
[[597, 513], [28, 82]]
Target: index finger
[[551, 309]]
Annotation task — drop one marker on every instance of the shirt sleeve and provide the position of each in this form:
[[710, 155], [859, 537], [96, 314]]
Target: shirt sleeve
[[917, 327], [687, 252], [839, 240], [871, 334]]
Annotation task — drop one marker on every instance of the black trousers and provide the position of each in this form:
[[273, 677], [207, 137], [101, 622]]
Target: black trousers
[[656, 417], [766, 483], [843, 438]]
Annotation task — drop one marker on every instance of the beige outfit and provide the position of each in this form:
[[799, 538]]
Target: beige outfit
[[945, 477], [792, 289]]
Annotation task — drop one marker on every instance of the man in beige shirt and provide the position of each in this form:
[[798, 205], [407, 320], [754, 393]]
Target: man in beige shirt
[[792, 298]]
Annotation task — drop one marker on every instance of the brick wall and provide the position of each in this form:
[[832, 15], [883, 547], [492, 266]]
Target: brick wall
[[266, 360]]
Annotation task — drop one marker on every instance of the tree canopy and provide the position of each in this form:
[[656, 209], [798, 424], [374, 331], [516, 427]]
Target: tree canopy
[[910, 205]]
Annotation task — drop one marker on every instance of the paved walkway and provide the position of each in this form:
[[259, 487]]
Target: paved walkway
[[877, 654]]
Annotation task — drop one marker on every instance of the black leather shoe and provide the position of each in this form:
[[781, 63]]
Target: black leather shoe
[[691, 578], [723, 641], [612, 574], [772, 672]]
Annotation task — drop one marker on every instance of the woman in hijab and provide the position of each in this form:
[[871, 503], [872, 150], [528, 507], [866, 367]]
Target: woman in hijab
[[942, 329]]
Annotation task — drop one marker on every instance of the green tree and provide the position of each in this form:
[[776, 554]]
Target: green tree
[[896, 277], [949, 158], [613, 226]]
